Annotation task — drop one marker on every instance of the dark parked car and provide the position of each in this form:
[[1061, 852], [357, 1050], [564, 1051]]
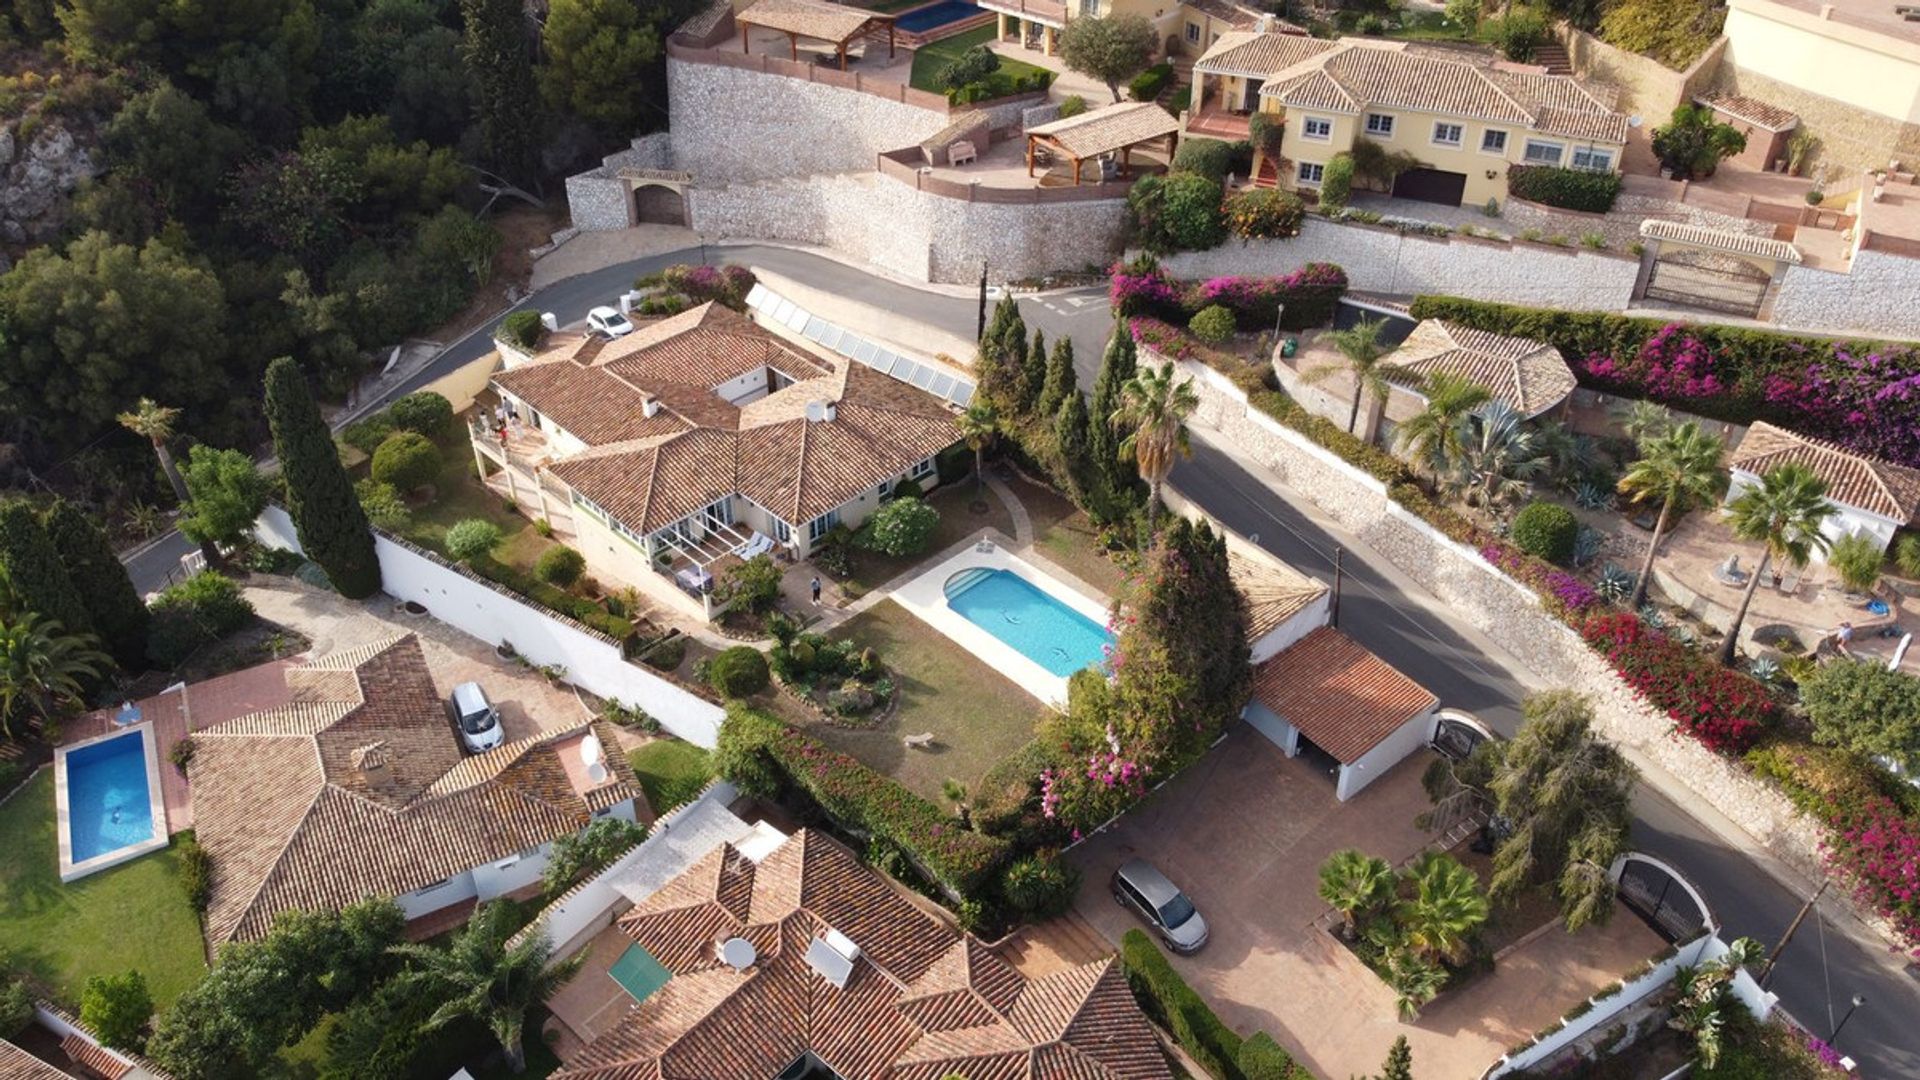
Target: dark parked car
[[1147, 891]]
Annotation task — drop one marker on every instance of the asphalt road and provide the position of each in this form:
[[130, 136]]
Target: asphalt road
[[1819, 972]]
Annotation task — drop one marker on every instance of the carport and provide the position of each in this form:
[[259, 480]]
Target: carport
[[1327, 692]]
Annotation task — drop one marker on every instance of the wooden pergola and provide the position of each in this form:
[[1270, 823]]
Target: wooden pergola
[[833, 23], [1114, 129]]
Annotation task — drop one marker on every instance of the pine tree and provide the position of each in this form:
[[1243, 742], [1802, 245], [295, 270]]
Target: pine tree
[[102, 583], [1034, 375], [1399, 1064], [1060, 381], [1072, 437], [36, 571], [506, 98], [332, 528], [1119, 480]]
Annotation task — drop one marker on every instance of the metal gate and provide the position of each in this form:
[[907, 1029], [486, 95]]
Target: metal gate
[[1700, 287], [1659, 898]]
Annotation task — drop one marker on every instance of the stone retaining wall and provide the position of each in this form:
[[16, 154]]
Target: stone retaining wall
[[1478, 594], [1875, 299], [1379, 259]]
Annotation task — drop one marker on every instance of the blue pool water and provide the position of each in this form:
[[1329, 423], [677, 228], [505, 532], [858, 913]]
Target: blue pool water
[[107, 801], [1039, 627], [920, 20]]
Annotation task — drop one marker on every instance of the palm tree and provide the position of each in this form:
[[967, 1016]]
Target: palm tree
[[1355, 884], [1156, 409], [1415, 980], [1704, 991], [1783, 513], [43, 670], [979, 426], [487, 975], [1434, 433], [155, 424], [1643, 420], [1680, 467], [1446, 906], [1360, 346], [1499, 465]]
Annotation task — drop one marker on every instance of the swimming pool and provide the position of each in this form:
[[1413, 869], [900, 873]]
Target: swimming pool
[[109, 802], [933, 16], [1036, 625]]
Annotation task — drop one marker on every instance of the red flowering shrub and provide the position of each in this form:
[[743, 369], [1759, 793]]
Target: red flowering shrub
[[1725, 710], [1875, 847]]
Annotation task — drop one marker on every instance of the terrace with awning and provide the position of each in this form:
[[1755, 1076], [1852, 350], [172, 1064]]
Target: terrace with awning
[[1110, 133], [835, 24]]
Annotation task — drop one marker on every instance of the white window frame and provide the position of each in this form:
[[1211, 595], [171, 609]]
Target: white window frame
[[1193, 33], [922, 469], [782, 532], [1591, 152], [1559, 153], [1384, 127], [1459, 134], [1300, 173], [1498, 151], [822, 525], [1306, 128]]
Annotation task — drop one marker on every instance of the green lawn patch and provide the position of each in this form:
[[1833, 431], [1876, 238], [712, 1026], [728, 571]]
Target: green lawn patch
[[929, 61], [133, 916], [671, 772], [1065, 535], [458, 495], [871, 569], [976, 715]]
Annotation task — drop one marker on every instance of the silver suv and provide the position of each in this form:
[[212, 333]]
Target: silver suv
[[1147, 891]]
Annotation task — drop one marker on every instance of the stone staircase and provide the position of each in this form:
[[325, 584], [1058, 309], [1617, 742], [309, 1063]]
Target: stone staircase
[[1553, 56], [1182, 76]]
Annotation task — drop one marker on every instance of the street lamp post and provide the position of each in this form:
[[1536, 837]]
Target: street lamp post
[[1858, 1000]]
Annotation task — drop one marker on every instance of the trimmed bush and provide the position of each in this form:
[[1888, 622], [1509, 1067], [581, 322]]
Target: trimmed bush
[[117, 1008], [522, 329], [1147, 85], [1072, 106], [762, 755], [1264, 214], [1336, 182], [423, 411], [559, 565], [1568, 189], [470, 539], [902, 527], [367, 435], [408, 460], [1546, 531], [1212, 325], [1177, 212], [1263, 1059], [971, 66], [1207, 157], [198, 611], [555, 599], [1167, 998], [738, 672]]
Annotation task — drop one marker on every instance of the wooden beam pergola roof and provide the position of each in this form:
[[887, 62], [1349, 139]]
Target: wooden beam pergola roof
[[1114, 129], [836, 24]]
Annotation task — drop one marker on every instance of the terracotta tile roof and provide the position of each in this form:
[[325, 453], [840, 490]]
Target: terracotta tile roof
[[318, 804], [17, 1064], [922, 1001], [1758, 113], [1241, 16], [1856, 480], [1275, 592], [1255, 55], [1720, 240], [1344, 698], [650, 472], [1107, 129], [94, 1057], [810, 18], [1354, 75], [1530, 376]]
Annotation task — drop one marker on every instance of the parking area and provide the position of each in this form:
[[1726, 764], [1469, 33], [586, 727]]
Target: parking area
[[1243, 832]]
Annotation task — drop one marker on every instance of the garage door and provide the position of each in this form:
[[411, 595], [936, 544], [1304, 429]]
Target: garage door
[[1431, 185]]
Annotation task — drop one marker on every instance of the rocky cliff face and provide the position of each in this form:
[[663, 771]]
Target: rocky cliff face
[[37, 174]]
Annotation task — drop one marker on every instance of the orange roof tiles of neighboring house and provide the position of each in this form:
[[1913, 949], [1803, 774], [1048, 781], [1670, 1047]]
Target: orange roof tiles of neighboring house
[[1856, 480], [94, 1058], [1344, 698], [651, 471], [921, 1002], [17, 1064], [1529, 376], [1754, 111], [359, 788], [1257, 55]]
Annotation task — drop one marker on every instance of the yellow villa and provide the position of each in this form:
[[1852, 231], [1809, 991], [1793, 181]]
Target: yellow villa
[[1465, 123], [1187, 28]]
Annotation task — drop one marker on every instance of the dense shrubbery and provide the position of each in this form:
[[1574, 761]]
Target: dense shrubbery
[[559, 565], [1264, 214], [1000, 84], [423, 411], [406, 459], [1545, 531], [904, 526], [548, 596], [1569, 189], [1147, 85], [738, 672], [1213, 324], [1310, 295], [764, 756], [1167, 999], [1208, 157], [1859, 705], [522, 328], [1726, 711], [202, 609], [726, 285], [470, 539], [1180, 211]]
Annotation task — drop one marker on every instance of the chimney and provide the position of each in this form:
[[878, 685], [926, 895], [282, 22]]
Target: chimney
[[375, 765], [650, 406], [819, 412], [1263, 25], [1826, 12]]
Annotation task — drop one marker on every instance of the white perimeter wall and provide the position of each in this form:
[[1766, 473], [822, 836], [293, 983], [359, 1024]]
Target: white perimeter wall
[[592, 661], [1411, 737]]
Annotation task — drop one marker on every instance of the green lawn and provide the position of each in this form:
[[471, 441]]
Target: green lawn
[[976, 715], [931, 60], [132, 916], [957, 522], [459, 495], [1064, 535], [671, 772]]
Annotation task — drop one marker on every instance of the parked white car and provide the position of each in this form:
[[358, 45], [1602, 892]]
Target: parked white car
[[475, 716], [608, 321]]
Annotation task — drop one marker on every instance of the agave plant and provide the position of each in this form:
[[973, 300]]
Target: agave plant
[[1591, 496], [1615, 584], [1653, 617], [1764, 668], [1683, 634], [1587, 545]]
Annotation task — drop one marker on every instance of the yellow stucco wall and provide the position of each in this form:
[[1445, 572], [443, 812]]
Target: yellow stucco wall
[[1848, 63]]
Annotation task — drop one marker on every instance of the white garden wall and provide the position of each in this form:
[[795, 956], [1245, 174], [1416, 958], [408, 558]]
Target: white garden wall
[[591, 660]]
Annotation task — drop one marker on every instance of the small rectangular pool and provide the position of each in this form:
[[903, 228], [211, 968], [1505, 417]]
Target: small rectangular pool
[[922, 19], [108, 799], [1035, 624]]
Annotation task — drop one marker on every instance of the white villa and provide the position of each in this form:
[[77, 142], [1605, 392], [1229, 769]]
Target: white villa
[[1868, 495]]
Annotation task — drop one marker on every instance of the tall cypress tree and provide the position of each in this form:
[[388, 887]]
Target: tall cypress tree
[[102, 583], [332, 527], [1060, 380], [506, 99], [1033, 376], [1001, 366], [1119, 479], [1072, 438], [36, 571]]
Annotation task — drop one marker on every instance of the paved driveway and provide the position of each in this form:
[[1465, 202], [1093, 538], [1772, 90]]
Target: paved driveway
[[1244, 832]]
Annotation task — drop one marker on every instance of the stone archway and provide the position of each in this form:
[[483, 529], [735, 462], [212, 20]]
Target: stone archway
[[656, 196], [1715, 269], [1661, 896]]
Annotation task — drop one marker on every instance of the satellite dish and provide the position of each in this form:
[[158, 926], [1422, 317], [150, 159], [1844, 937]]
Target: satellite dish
[[1634, 120], [738, 953]]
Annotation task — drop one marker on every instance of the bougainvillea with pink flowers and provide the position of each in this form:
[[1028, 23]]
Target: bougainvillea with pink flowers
[[1725, 710], [1875, 847], [1565, 595], [1869, 403], [1673, 366], [1303, 297]]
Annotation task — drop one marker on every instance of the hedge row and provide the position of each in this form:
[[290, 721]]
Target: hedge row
[[578, 608], [863, 801], [1166, 998], [1147, 85], [1568, 189], [1310, 294]]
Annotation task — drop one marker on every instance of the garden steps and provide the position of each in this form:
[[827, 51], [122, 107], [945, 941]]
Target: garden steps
[[1553, 56]]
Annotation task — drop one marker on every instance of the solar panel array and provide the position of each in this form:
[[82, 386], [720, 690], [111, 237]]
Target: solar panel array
[[779, 310]]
